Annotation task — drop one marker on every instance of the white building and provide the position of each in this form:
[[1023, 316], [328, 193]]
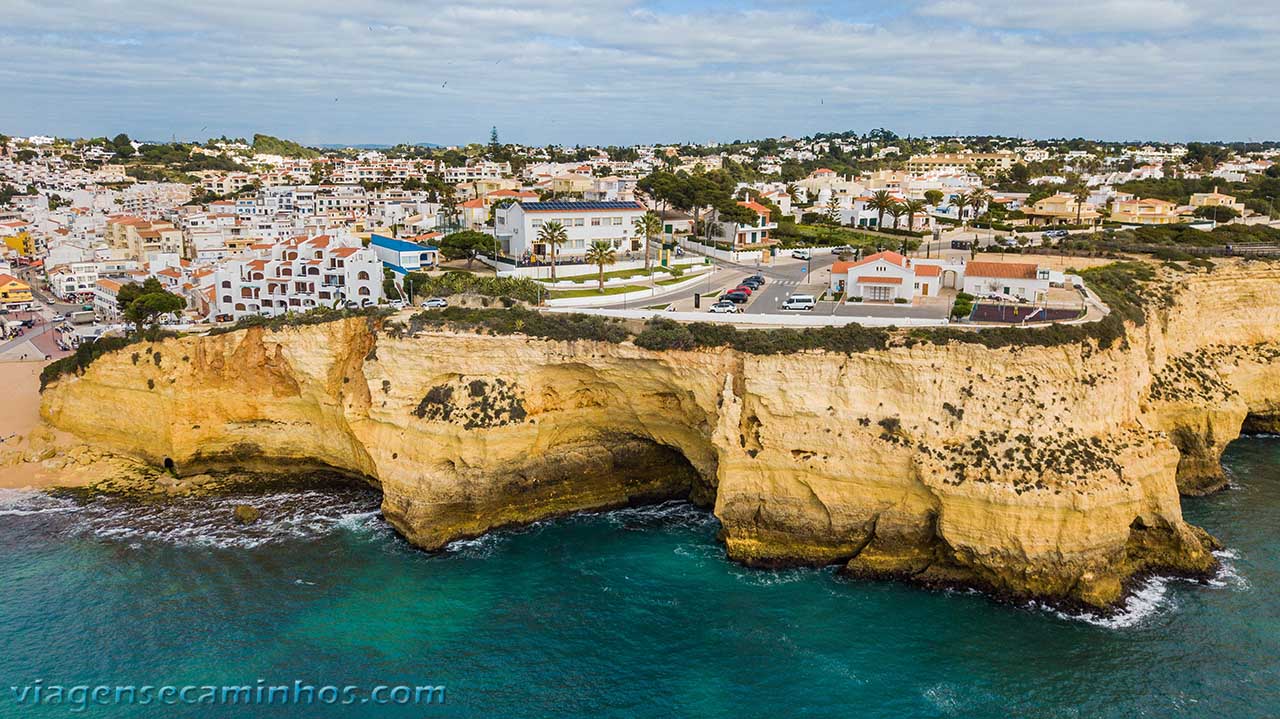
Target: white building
[[105, 302], [295, 276], [1014, 279], [890, 277], [402, 256], [517, 227]]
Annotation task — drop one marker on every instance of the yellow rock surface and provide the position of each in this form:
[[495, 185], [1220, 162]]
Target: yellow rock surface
[[1034, 471]]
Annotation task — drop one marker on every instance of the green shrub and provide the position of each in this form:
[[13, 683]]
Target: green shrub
[[316, 316], [84, 356], [457, 282], [520, 320]]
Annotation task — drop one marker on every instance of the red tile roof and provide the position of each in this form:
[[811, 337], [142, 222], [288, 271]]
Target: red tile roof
[[1003, 270], [889, 256]]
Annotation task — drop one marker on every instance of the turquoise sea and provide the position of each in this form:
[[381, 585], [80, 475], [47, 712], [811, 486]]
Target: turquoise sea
[[632, 613]]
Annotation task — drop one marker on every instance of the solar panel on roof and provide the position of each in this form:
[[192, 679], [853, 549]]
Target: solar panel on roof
[[558, 205]]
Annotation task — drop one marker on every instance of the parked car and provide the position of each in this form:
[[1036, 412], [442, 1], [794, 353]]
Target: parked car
[[841, 250], [724, 306], [57, 318], [435, 303], [745, 289], [801, 253], [757, 278], [1056, 234], [800, 302], [734, 296], [396, 304], [752, 284]]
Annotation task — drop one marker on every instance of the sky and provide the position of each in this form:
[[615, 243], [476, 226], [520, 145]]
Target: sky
[[635, 71]]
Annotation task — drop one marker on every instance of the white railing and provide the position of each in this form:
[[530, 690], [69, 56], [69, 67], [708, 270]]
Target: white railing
[[506, 269], [586, 282], [798, 319], [640, 295]]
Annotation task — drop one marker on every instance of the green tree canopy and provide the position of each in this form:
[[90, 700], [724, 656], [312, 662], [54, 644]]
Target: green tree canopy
[[464, 245]]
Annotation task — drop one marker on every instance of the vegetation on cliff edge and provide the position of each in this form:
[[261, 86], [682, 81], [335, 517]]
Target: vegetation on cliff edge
[[1128, 288], [317, 316]]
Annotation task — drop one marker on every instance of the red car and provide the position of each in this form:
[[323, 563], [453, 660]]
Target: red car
[[743, 289]]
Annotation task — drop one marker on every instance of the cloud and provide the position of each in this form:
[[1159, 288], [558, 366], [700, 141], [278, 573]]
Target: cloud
[[1105, 16], [626, 71]]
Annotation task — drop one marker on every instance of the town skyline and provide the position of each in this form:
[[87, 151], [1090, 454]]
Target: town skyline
[[626, 73]]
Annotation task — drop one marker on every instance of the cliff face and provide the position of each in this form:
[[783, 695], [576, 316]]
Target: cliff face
[[1038, 471]]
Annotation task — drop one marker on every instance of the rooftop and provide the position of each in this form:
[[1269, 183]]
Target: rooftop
[[559, 206]]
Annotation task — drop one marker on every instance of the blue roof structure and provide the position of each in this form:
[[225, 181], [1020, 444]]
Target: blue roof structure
[[570, 206], [395, 245]]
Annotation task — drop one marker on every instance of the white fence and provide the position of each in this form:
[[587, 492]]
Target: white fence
[[726, 255], [798, 319], [638, 296], [505, 269], [587, 282]]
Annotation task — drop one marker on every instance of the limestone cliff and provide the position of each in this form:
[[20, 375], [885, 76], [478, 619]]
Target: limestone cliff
[[1036, 471]]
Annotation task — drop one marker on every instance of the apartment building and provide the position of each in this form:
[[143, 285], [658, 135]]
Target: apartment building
[[1145, 212], [296, 275], [14, 293], [517, 227], [142, 240], [961, 161], [477, 170], [150, 200], [1061, 209], [104, 296], [226, 183]]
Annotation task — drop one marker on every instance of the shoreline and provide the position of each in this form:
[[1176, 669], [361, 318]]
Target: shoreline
[[18, 422]]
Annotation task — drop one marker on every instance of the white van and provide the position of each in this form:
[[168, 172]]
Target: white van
[[800, 302], [801, 253]]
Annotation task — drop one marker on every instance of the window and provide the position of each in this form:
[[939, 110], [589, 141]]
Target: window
[[595, 221], [579, 222], [617, 220], [362, 275], [537, 222]]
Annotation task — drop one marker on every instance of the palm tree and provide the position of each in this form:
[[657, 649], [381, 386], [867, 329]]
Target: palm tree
[[553, 234], [977, 200], [881, 201], [648, 225], [960, 201], [1081, 194], [913, 207], [896, 211], [600, 254]]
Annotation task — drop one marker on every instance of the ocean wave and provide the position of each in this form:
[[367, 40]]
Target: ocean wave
[[1228, 573], [1154, 596], [478, 547], [669, 514], [208, 521], [27, 502], [1150, 599]]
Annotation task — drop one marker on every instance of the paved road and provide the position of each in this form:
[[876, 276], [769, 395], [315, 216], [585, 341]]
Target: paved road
[[784, 276]]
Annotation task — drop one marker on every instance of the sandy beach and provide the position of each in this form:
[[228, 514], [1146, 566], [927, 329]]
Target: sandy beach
[[21, 415]]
